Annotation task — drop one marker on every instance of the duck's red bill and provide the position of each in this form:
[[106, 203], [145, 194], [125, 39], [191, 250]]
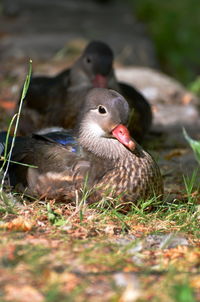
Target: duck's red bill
[[122, 134], [100, 81]]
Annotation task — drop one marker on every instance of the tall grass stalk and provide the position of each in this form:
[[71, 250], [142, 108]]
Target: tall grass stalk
[[7, 159], [4, 158], [190, 182]]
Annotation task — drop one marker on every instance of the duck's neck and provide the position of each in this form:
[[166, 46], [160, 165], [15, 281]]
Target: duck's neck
[[91, 138], [80, 80]]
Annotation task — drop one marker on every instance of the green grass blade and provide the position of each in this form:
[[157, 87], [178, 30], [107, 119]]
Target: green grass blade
[[195, 145], [17, 116], [19, 163], [4, 158]]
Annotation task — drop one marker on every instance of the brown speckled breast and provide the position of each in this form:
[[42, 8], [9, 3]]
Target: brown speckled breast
[[135, 178]]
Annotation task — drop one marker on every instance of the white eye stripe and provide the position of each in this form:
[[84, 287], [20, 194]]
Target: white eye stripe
[[100, 110]]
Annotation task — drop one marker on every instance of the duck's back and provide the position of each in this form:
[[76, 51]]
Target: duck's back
[[141, 116], [44, 102]]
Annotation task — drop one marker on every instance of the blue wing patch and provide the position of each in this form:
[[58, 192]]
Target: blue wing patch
[[68, 141], [64, 138]]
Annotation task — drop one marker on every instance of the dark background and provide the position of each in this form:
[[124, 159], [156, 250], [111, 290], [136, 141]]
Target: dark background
[[160, 34]]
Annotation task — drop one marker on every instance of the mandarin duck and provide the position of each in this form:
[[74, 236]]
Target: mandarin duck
[[56, 101], [101, 152]]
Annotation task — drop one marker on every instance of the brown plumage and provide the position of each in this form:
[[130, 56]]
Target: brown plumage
[[102, 151], [57, 101]]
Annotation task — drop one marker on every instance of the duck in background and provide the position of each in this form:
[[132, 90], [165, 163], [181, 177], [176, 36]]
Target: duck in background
[[57, 101], [102, 151]]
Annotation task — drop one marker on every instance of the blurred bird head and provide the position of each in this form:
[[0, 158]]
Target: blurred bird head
[[95, 65]]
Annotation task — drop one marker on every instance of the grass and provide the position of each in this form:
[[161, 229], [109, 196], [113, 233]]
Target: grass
[[54, 251], [74, 253], [7, 155], [72, 262], [69, 256], [182, 292], [194, 144], [6, 158]]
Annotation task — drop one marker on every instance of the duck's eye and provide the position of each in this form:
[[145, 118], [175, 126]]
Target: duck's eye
[[102, 109], [88, 60]]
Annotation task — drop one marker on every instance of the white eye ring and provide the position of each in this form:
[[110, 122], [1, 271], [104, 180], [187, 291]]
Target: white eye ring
[[102, 109]]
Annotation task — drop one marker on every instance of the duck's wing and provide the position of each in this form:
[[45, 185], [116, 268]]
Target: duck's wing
[[45, 89], [37, 93], [64, 138], [140, 114], [3, 136], [62, 166], [17, 172], [44, 101], [20, 143], [63, 77], [52, 165], [46, 150]]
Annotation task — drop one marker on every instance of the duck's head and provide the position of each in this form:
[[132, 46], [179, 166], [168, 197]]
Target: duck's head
[[96, 64], [104, 119]]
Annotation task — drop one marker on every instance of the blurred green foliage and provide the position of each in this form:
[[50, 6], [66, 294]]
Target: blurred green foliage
[[195, 86], [174, 26], [182, 293]]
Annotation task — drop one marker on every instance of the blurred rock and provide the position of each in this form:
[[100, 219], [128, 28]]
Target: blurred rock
[[131, 285], [172, 103], [166, 241], [153, 241]]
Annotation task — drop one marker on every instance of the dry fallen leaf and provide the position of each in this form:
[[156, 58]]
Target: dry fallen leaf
[[195, 282], [18, 224], [25, 293], [70, 281], [175, 153], [131, 286]]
